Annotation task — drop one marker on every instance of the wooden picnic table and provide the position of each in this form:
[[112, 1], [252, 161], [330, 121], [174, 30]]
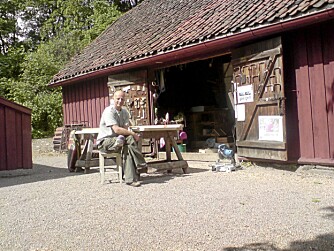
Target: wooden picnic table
[[87, 136], [169, 133]]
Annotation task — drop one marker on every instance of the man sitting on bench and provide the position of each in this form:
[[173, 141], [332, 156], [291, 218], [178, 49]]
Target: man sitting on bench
[[114, 134]]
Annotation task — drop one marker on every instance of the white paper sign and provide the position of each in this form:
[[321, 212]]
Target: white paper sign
[[240, 111], [245, 94], [271, 128]]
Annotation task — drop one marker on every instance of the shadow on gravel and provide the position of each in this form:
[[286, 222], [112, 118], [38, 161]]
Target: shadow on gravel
[[279, 166], [159, 178], [37, 173], [44, 172], [197, 170], [322, 242], [163, 177], [330, 214]]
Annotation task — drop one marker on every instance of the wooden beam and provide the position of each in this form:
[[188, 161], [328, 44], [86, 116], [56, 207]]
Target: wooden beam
[[254, 105], [261, 144], [163, 165]]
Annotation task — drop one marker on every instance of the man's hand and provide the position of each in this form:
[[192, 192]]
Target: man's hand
[[122, 131], [136, 137]]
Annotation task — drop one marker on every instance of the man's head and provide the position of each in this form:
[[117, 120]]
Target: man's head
[[119, 99]]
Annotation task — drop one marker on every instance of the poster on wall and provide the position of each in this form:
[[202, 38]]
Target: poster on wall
[[240, 112], [245, 94], [271, 128]]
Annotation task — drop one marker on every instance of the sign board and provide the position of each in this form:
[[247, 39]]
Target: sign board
[[245, 94], [271, 128]]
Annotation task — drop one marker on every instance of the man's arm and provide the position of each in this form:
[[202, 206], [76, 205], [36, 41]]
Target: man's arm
[[122, 131]]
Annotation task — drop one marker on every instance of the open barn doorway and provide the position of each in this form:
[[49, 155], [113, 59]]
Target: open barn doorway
[[198, 94]]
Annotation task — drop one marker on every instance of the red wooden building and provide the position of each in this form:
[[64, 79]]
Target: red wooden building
[[258, 72], [15, 136]]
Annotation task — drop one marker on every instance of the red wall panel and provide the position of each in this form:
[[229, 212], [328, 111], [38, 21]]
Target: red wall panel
[[317, 91], [15, 136], [85, 102], [26, 141], [303, 96], [314, 73], [11, 138], [328, 56], [292, 137], [18, 143], [3, 155]]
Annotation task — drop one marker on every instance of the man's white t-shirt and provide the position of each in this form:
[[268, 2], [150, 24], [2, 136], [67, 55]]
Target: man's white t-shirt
[[110, 117]]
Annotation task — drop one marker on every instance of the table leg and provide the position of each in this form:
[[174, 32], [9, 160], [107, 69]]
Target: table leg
[[168, 147], [82, 156], [177, 151], [89, 153]]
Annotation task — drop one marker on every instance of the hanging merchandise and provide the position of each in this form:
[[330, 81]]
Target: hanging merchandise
[[183, 135], [162, 81], [160, 78], [162, 142]]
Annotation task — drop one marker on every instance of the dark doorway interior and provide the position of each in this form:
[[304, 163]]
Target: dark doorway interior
[[199, 92]]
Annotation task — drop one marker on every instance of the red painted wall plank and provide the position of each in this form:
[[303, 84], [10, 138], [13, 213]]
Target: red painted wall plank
[[80, 107], [65, 105], [103, 94], [19, 142], [98, 104], [72, 105], [89, 105], [68, 104], [328, 56], [292, 135], [15, 136], [93, 102], [3, 148], [77, 107], [317, 90], [303, 96], [68, 115], [86, 101], [11, 138], [85, 104], [15, 106], [314, 70], [96, 99], [74, 100], [26, 141]]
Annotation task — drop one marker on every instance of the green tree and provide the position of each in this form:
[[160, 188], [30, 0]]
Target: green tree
[[49, 34], [103, 15], [11, 47], [9, 11], [32, 91]]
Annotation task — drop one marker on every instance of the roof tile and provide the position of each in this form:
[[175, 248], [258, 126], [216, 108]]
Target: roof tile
[[157, 26]]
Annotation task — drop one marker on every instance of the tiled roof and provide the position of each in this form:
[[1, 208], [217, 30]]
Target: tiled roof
[[160, 26]]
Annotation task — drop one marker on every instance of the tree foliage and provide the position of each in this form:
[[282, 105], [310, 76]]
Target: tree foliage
[[9, 11], [37, 38]]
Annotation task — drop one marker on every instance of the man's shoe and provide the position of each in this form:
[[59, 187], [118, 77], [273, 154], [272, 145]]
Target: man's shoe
[[134, 184]]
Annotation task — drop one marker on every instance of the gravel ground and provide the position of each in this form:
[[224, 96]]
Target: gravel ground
[[253, 208]]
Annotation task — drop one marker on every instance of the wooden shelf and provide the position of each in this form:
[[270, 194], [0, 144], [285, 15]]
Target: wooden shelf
[[207, 124]]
